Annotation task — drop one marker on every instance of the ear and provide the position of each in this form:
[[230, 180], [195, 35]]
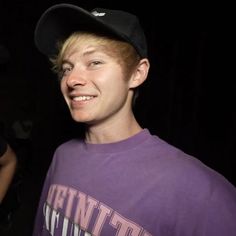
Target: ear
[[140, 74]]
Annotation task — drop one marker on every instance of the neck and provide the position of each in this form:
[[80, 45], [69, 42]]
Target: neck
[[113, 131]]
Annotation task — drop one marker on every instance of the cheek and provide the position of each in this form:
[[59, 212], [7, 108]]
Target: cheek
[[112, 79], [63, 87], [117, 90]]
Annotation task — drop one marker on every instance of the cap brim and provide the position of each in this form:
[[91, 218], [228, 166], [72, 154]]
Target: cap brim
[[59, 21]]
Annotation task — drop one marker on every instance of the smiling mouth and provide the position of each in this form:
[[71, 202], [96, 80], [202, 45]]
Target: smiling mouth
[[82, 98]]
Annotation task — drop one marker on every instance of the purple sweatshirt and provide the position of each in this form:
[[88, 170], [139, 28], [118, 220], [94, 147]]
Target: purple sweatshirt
[[140, 186]]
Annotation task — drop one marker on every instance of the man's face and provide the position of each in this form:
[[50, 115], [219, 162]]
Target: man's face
[[93, 84]]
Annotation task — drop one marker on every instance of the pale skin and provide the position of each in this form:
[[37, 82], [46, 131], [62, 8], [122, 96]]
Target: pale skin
[[8, 163], [98, 94]]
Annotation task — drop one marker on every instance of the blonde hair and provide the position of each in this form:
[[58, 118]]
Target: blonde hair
[[123, 52]]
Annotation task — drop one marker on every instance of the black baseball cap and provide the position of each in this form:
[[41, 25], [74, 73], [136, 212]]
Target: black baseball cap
[[61, 20]]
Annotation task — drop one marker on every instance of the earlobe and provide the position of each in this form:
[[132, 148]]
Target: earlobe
[[140, 74]]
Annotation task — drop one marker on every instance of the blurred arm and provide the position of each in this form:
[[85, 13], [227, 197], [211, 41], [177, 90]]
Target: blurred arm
[[8, 163]]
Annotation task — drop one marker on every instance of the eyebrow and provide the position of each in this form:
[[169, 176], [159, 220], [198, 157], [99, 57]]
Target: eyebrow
[[98, 49]]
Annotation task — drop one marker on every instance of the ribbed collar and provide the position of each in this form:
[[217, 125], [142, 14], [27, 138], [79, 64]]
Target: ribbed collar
[[120, 146]]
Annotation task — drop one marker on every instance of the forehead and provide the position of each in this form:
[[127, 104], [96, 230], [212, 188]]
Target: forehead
[[85, 43]]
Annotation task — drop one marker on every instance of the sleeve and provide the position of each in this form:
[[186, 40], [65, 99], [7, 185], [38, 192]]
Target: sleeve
[[3, 146], [39, 218], [221, 211]]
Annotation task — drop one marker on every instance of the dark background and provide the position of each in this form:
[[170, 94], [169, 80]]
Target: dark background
[[188, 100]]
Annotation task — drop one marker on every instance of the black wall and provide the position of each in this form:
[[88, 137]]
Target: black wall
[[189, 99]]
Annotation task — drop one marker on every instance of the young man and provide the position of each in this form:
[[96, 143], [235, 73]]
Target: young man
[[120, 180]]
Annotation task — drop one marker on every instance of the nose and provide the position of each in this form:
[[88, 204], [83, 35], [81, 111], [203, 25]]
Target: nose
[[75, 78]]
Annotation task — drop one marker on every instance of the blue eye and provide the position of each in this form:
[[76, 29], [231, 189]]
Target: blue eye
[[66, 70], [63, 72], [95, 62]]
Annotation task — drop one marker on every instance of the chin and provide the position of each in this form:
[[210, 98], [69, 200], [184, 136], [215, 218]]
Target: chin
[[80, 118]]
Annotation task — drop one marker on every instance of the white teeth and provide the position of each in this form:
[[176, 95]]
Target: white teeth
[[82, 98]]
